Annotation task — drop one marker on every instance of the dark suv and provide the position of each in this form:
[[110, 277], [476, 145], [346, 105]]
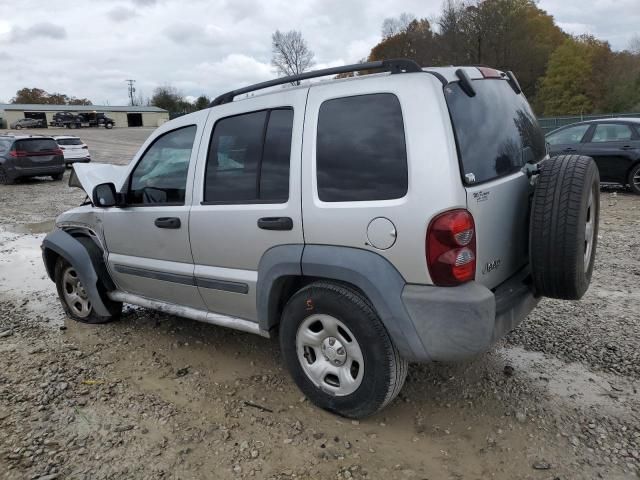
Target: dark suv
[[29, 156]]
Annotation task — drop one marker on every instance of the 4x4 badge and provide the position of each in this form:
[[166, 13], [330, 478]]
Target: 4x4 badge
[[490, 266]]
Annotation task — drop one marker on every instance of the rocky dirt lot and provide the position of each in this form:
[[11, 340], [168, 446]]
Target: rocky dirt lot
[[155, 396]]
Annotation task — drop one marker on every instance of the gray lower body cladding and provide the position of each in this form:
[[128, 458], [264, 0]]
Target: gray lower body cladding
[[455, 323]]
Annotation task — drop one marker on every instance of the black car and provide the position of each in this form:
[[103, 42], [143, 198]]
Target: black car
[[614, 143], [29, 156]]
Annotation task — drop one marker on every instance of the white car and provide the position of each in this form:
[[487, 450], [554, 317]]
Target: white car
[[74, 149]]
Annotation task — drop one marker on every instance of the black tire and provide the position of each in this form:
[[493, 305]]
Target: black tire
[[561, 260], [5, 178], [384, 369], [115, 308], [634, 179], [108, 126], [18, 127], [58, 176]]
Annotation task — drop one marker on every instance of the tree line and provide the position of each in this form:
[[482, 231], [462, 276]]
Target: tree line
[[560, 73]]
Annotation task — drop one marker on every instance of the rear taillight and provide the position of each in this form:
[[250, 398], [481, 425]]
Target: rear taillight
[[84, 147], [17, 153], [57, 151], [451, 248]]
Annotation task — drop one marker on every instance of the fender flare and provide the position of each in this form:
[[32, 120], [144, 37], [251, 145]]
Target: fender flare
[[61, 243], [374, 275]]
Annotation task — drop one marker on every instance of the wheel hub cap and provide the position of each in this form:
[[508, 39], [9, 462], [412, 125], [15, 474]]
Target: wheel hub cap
[[333, 351], [330, 355]]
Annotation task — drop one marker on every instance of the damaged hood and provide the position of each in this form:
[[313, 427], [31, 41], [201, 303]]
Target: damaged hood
[[87, 175]]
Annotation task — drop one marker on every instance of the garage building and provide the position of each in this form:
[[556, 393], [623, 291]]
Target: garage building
[[128, 116]]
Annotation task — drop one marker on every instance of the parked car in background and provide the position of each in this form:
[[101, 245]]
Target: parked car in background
[[27, 123], [29, 156], [74, 149], [614, 143]]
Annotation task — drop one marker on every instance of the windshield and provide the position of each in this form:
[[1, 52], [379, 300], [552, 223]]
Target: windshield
[[496, 131], [69, 141]]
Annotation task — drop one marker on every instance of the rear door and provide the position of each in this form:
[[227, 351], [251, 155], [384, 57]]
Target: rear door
[[614, 147], [496, 134], [246, 196]]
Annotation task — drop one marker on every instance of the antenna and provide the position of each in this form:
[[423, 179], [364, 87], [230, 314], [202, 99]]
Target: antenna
[[132, 90]]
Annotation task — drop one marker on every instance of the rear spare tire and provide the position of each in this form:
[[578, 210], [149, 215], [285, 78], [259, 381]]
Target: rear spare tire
[[564, 226]]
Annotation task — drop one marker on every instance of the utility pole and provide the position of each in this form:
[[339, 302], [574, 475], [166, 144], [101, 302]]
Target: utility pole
[[132, 90]]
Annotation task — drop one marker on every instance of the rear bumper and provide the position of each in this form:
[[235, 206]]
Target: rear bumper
[[455, 323], [69, 160], [17, 171]]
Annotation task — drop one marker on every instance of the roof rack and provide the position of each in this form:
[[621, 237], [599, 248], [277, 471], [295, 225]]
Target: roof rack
[[399, 65]]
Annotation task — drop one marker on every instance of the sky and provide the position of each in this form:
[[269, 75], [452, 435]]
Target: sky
[[88, 48]]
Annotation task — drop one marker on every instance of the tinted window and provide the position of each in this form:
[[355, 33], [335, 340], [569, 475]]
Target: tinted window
[[361, 152], [496, 131], [569, 135], [36, 145], [249, 158], [611, 132], [161, 175], [69, 141]]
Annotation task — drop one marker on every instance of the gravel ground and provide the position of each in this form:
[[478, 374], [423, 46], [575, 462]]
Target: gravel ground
[[155, 396]]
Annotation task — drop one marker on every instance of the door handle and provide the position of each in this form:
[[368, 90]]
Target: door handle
[[275, 223], [167, 222], [626, 147], [569, 149]]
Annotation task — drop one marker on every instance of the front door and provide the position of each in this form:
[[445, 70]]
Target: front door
[[614, 148], [567, 141], [246, 196], [148, 239]]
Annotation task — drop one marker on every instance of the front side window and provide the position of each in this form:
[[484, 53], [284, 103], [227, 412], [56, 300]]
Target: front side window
[[568, 136], [611, 132], [161, 175], [249, 158], [361, 153]]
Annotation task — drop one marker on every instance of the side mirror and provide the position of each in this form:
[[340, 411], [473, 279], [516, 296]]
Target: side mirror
[[104, 195]]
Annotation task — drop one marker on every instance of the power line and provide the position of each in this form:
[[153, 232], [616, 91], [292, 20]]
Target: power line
[[132, 90]]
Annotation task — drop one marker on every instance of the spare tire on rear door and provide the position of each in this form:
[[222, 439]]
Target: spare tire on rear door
[[564, 226]]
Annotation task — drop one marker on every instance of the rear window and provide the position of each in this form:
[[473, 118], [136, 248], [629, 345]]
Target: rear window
[[496, 131], [36, 145], [69, 141]]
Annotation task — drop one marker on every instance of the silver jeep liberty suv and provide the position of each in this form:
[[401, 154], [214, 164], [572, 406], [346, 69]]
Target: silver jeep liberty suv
[[408, 215]]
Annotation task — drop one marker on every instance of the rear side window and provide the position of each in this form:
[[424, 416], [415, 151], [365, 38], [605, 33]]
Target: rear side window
[[36, 145], [69, 141], [5, 145], [361, 153], [249, 158], [612, 132], [496, 131]]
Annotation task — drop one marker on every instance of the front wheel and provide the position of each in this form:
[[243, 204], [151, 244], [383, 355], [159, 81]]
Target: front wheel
[[634, 179], [18, 127], [338, 351], [74, 298], [108, 126]]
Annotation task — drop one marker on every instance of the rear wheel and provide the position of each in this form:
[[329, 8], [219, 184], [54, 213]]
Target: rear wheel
[[564, 226], [338, 351], [5, 179], [74, 298], [634, 179], [18, 127]]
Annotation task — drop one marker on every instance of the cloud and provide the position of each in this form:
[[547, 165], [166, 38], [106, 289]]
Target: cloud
[[121, 14], [43, 29], [144, 3]]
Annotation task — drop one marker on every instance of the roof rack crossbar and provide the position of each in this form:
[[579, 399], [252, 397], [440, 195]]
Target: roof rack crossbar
[[400, 65]]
